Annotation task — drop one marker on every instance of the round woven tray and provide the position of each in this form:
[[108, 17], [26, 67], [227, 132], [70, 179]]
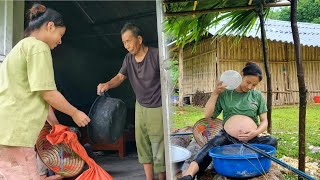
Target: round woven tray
[[205, 129], [72, 164]]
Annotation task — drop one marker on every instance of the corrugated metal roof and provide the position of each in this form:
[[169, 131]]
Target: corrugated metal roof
[[276, 30]]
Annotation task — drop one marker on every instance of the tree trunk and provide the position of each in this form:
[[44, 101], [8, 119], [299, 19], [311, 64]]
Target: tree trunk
[[302, 86], [266, 67]]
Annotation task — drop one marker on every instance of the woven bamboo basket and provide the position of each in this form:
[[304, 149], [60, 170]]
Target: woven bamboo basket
[[59, 158], [205, 129]]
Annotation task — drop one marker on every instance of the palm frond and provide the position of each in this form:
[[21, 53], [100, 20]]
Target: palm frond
[[189, 29]]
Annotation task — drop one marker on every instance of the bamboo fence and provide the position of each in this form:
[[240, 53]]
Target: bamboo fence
[[203, 66]]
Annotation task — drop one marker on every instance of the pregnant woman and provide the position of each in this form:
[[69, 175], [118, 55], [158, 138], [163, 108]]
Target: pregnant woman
[[241, 108]]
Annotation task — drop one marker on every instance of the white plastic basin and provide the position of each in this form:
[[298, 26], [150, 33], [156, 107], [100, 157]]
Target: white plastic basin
[[231, 78], [178, 156]]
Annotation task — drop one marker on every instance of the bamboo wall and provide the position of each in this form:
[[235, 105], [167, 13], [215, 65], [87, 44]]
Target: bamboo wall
[[200, 72], [200, 68]]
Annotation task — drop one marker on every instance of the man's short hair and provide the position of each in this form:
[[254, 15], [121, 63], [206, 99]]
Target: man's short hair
[[136, 31]]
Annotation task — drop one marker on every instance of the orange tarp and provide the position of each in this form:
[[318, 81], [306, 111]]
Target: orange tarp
[[61, 134]]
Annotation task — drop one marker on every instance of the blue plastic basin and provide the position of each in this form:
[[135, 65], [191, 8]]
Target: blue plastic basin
[[237, 161]]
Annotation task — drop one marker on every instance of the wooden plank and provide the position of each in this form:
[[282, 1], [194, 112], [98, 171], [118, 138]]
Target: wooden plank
[[181, 90]]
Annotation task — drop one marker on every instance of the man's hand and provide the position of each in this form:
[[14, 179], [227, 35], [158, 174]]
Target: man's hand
[[80, 118], [247, 136], [102, 87]]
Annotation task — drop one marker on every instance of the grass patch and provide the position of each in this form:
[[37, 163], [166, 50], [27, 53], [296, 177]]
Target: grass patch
[[285, 126], [186, 116]]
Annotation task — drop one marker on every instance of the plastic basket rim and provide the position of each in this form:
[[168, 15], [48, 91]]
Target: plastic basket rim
[[40, 152], [195, 132], [271, 151]]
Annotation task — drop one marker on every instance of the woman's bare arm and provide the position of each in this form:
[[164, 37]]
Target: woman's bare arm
[[211, 103], [263, 123], [55, 99], [52, 119]]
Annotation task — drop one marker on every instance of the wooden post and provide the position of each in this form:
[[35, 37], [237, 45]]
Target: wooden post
[[181, 77], [228, 9], [302, 87], [11, 31], [266, 66], [165, 85]]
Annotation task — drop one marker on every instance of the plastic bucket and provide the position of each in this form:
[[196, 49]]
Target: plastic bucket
[[316, 99], [237, 161]]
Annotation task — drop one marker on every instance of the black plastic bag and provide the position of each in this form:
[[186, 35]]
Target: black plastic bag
[[108, 119]]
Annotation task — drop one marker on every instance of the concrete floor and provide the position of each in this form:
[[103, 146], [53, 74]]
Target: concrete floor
[[122, 169], [127, 168]]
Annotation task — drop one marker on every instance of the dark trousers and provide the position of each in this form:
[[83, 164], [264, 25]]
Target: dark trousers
[[223, 138]]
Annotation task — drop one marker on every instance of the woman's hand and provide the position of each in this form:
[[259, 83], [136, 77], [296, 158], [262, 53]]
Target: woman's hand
[[80, 118], [219, 88], [52, 119], [211, 103], [248, 135]]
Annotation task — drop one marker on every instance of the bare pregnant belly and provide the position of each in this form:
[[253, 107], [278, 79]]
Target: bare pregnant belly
[[239, 123]]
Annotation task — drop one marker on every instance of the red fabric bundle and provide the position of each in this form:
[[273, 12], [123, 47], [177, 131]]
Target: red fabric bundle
[[61, 134]]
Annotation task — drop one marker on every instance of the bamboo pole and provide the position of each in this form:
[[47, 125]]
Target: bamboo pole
[[181, 77], [266, 66], [207, 11], [302, 87]]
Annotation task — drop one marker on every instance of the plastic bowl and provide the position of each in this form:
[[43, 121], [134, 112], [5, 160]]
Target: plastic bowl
[[179, 156], [237, 161], [231, 78]]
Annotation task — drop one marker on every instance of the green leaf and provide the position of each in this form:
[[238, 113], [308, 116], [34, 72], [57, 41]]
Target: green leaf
[[190, 29]]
